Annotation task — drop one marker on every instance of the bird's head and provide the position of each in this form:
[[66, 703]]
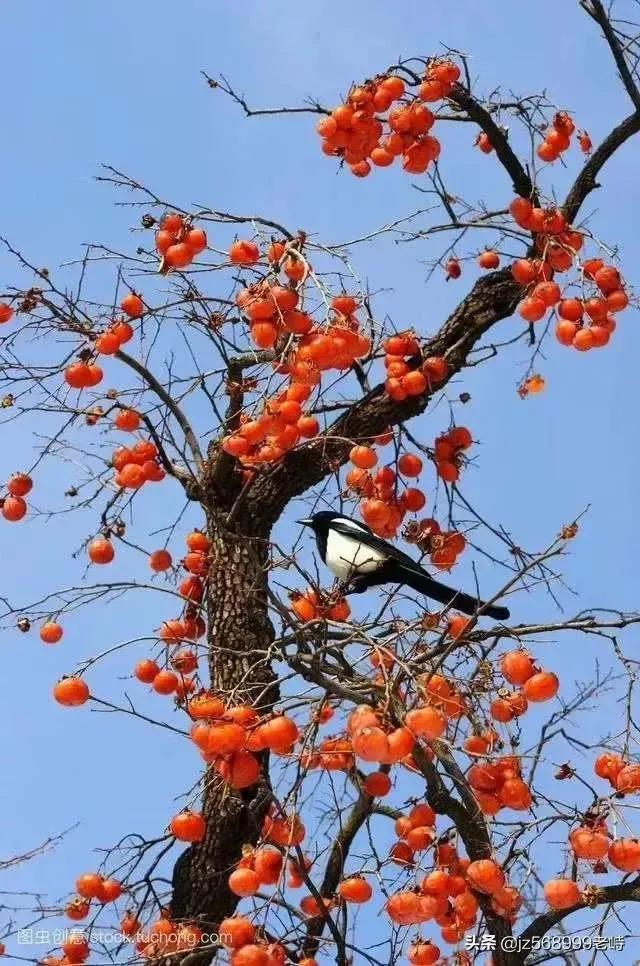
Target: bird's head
[[319, 522]]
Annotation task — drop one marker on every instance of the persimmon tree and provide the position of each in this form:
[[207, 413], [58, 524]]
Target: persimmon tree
[[242, 367]]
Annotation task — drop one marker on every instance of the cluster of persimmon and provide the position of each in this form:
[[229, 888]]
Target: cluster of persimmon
[[586, 322], [179, 678], [85, 374], [443, 546], [281, 256], [238, 934], [336, 754], [532, 685], [407, 374], [624, 854], [229, 738], [138, 464], [310, 605], [175, 678], [282, 829], [448, 450], [92, 886], [499, 784], [266, 866], [557, 138], [416, 832], [75, 950], [112, 339], [159, 938], [448, 895], [72, 691], [182, 661], [189, 627], [308, 349], [269, 435], [249, 948], [622, 775], [178, 242], [442, 694], [13, 506], [384, 506], [592, 842], [334, 345], [374, 740], [273, 309], [369, 130], [370, 737]]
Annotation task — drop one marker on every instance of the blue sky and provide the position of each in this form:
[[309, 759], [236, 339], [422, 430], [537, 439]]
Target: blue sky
[[120, 84]]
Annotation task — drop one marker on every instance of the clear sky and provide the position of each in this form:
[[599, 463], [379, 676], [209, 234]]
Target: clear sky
[[119, 83]]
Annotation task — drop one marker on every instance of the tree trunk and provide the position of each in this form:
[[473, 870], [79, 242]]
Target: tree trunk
[[239, 637]]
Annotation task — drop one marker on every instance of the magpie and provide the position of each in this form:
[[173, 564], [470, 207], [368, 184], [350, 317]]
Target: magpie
[[360, 559]]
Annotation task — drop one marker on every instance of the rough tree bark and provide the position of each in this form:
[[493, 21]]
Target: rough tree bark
[[239, 636]]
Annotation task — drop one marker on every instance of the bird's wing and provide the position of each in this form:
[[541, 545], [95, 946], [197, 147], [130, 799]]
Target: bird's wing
[[422, 581], [360, 531]]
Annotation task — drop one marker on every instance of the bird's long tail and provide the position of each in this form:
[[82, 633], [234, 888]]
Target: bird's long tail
[[421, 581]]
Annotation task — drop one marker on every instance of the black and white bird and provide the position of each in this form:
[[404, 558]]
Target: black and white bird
[[360, 559]]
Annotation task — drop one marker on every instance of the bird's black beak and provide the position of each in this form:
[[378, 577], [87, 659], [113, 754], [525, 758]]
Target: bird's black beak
[[305, 523]]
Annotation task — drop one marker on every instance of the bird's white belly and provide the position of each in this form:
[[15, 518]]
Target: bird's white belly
[[347, 557]]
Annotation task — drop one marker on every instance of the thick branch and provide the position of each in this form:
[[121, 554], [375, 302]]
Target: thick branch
[[508, 158], [625, 892], [596, 11], [586, 182], [493, 297], [470, 823], [335, 866]]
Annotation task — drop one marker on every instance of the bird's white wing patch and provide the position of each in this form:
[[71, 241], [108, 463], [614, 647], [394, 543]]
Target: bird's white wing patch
[[352, 524], [347, 557]]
